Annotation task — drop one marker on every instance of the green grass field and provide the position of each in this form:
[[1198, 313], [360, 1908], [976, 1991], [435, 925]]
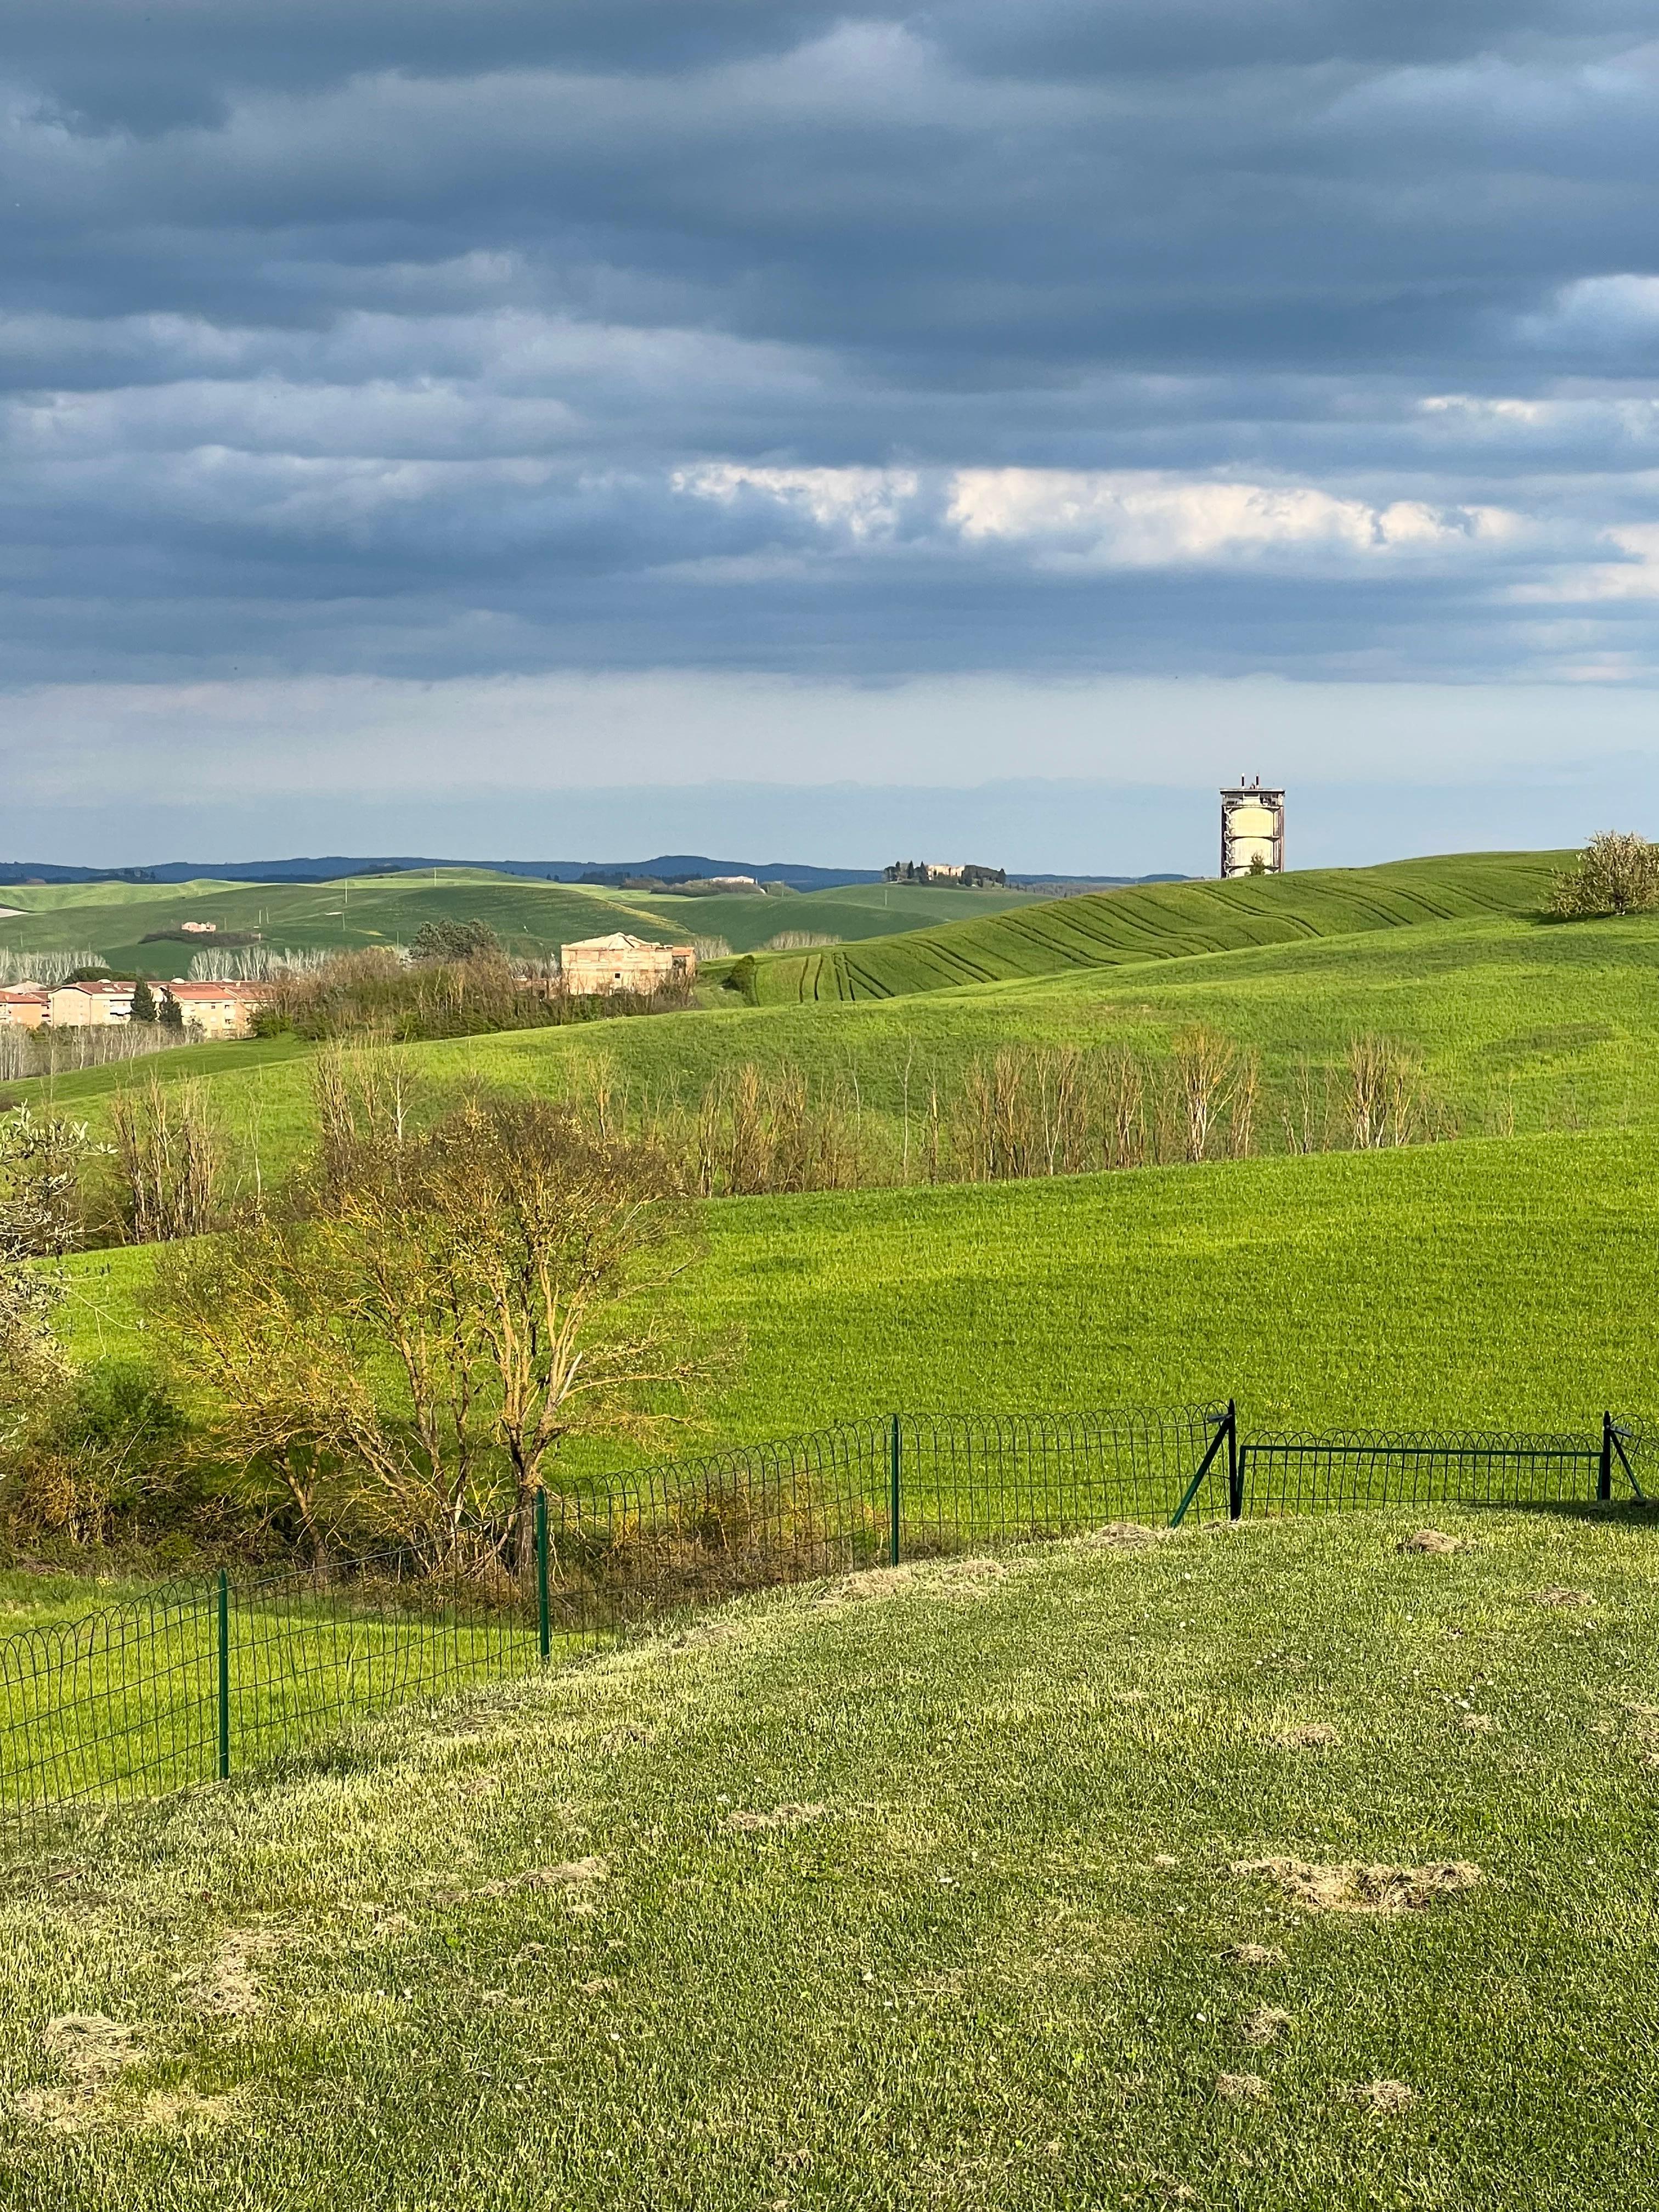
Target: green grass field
[[1499, 1282], [1233, 1870]]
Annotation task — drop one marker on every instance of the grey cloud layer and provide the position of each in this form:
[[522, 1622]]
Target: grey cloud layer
[[429, 340]]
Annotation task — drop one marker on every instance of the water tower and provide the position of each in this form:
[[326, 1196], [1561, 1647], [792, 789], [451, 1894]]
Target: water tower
[[1252, 831]]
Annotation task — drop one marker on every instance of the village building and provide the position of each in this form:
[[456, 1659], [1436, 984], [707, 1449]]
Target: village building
[[597, 966], [218, 1010], [24, 1005], [88, 1005]]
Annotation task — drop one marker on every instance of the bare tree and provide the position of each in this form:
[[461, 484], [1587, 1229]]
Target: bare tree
[[453, 1305], [167, 1155], [1203, 1061]]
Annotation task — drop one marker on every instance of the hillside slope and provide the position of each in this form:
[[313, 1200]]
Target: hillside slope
[[1167, 921], [995, 1885], [1502, 1283], [1521, 1025]]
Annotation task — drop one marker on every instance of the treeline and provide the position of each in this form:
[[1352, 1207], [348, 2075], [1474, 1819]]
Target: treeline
[[171, 1167], [1020, 1112]]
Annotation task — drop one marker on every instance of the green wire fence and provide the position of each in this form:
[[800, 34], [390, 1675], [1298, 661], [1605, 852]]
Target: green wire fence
[[195, 1681]]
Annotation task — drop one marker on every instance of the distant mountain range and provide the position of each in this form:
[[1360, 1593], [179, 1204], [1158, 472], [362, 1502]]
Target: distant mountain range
[[332, 867]]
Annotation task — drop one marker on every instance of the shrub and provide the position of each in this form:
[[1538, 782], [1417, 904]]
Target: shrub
[[742, 980]]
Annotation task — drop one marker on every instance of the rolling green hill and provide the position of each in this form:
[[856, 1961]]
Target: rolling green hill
[[531, 917], [853, 911], [1163, 921], [1521, 1025]]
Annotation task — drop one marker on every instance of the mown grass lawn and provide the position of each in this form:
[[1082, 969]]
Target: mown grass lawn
[[913, 1890]]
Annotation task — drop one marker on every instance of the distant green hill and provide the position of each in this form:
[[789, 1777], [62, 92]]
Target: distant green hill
[[1165, 921], [531, 917]]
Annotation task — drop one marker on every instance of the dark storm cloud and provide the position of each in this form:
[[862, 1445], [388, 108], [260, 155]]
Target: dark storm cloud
[[437, 339]]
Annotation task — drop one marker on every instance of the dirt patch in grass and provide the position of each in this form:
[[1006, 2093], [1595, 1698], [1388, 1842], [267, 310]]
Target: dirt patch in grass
[[91, 2049], [1308, 1735], [227, 1986], [1477, 1723], [1355, 1888], [1241, 2088], [1122, 1536], [1265, 2025], [569, 1874], [1557, 1594], [1254, 1954], [1382, 2097], [963, 1578], [780, 1816], [1434, 1542]]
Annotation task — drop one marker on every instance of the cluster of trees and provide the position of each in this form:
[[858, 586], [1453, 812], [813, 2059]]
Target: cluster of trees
[[392, 1354], [164, 1011], [1021, 1111]]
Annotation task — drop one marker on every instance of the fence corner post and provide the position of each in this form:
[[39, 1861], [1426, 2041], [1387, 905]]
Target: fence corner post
[[1235, 1466], [224, 1640], [543, 1611], [894, 1495], [1604, 1477]]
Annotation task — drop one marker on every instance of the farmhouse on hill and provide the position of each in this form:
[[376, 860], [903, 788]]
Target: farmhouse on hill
[[597, 966], [962, 875]]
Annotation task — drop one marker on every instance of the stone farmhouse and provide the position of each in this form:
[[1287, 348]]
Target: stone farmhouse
[[597, 966]]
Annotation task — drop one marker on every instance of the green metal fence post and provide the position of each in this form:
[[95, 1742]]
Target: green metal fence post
[[544, 1621], [224, 1675], [1235, 1467], [1604, 1477], [893, 1498]]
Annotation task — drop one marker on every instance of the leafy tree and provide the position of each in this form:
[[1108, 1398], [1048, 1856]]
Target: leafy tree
[[1618, 872], [456, 940], [1258, 866], [171, 1014], [144, 1002]]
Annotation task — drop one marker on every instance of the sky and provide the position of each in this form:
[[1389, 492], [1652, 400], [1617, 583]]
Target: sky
[[567, 427]]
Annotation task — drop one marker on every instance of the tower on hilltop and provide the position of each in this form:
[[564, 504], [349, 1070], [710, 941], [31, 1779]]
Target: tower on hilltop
[[1252, 831]]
